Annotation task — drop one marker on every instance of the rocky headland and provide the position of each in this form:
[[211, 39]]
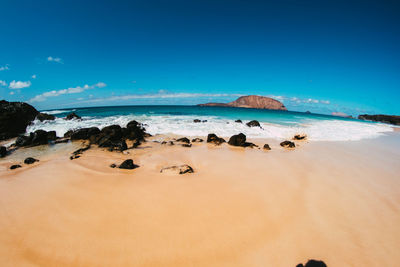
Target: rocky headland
[[250, 101]]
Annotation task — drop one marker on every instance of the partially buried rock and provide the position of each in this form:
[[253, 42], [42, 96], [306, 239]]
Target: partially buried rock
[[267, 147], [45, 117], [170, 143], [77, 153], [196, 120], [238, 121], [128, 164], [15, 166], [287, 144], [253, 123], [182, 169], [30, 160], [73, 116], [113, 165], [300, 137], [213, 138], [3, 151], [313, 263], [197, 140], [184, 140], [187, 145]]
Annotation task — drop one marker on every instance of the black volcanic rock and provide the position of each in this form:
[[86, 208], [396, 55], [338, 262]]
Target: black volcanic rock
[[14, 118], [73, 116], [267, 147], [287, 144], [128, 164], [83, 133], [183, 140], [30, 160], [237, 140], [3, 151], [238, 121], [15, 166], [197, 140], [196, 120], [313, 263], [213, 138], [45, 117], [77, 153], [38, 137], [253, 123], [391, 119], [299, 137]]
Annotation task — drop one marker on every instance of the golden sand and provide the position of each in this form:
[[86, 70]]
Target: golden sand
[[338, 202]]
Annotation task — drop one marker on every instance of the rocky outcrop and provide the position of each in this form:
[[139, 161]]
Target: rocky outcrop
[[181, 169], [30, 160], [45, 117], [251, 101], [313, 263], [128, 164], [253, 123], [287, 144], [38, 137], [391, 119], [14, 118], [73, 116], [213, 138]]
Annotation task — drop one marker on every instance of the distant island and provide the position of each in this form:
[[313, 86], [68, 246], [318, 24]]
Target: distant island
[[250, 101]]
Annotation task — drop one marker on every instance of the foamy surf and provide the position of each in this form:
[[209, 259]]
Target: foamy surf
[[316, 130]]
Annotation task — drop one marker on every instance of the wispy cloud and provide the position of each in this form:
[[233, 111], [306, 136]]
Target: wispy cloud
[[55, 59], [3, 83], [5, 67], [71, 90], [160, 95], [297, 100], [19, 84]]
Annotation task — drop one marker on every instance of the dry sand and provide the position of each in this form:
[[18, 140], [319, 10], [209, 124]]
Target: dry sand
[[338, 202]]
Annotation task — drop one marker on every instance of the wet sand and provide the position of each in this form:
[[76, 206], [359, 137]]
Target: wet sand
[[334, 201]]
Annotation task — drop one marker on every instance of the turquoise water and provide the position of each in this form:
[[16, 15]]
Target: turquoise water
[[178, 120]]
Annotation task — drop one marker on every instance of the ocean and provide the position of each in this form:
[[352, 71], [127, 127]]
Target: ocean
[[178, 120]]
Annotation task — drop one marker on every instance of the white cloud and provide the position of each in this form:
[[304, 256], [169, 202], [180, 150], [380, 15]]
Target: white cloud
[[5, 67], [3, 83], [71, 90], [162, 94], [300, 100], [19, 84], [55, 59], [34, 76]]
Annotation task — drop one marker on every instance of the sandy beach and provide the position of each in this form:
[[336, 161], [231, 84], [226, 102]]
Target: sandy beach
[[334, 201]]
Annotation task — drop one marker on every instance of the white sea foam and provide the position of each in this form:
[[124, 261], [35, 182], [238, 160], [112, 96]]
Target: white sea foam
[[53, 112], [316, 130]]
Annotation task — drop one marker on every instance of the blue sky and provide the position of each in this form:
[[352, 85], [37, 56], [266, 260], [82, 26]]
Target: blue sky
[[322, 56]]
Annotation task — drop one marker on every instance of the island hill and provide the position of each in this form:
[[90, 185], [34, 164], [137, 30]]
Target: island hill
[[250, 101]]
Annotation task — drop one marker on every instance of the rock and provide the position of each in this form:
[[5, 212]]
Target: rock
[[182, 169], [45, 117], [204, 121], [267, 147], [3, 151], [128, 164], [15, 166], [299, 137], [30, 160], [187, 145], [287, 144], [135, 131], [170, 143], [391, 119], [196, 120], [212, 138], [251, 101], [313, 263], [83, 133], [14, 118], [73, 116], [249, 144], [77, 153], [197, 140], [253, 123], [113, 165], [238, 121], [184, 140], [237, 140], [38, 137]]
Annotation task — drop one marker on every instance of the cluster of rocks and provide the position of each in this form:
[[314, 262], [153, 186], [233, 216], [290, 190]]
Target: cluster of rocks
[[198, 121], [214, 139], [38, 137], [253, 123], [312, 263], [28, 161]]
